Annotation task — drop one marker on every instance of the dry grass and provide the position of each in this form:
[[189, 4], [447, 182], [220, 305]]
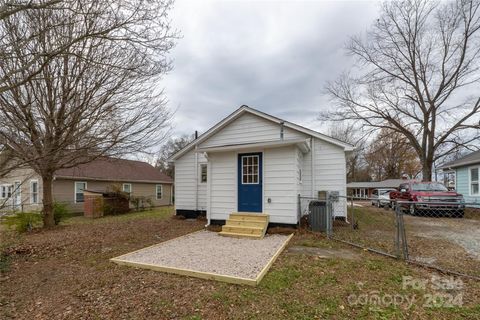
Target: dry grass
[[369, 227], [426, 237], [65, 274]]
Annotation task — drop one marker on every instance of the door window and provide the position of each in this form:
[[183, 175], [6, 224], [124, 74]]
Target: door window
[[250, 169]]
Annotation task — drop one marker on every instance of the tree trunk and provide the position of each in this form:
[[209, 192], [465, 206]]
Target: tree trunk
[[427, 165], [48, 220]]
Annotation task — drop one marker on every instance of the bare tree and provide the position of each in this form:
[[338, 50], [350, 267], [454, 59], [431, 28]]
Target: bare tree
[[8, 8], [348, 132], [7, 49], [390, 156], [418, 76], [172, 146], [97, 96]]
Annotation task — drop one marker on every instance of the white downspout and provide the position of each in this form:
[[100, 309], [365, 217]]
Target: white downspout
[[196, 178], [209, 186], [312, 162]]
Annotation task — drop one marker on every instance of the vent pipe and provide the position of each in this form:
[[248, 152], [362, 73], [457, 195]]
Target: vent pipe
[[196, 134]]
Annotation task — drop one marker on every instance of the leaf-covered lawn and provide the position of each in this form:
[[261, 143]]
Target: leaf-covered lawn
[[65, 274]]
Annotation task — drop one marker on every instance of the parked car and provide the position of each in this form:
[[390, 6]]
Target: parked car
[[381, 197], [430, 198]]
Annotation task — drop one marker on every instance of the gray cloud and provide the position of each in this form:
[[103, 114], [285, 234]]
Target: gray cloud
[[274, 56]]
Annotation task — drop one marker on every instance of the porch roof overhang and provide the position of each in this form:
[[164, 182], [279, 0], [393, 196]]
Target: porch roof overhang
[[303, 144]]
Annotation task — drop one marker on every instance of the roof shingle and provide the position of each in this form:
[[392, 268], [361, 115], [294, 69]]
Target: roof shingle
[[471, 158], [113, 169]]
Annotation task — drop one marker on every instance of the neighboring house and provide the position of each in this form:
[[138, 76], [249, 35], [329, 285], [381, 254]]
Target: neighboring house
[[364, 189], [254, 162], [467, 175], [22, 188]]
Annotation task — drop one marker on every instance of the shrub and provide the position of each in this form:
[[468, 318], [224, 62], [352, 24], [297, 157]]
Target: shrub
[[150, 203], [141, 203], [60, 212], [136, 201], [23, 221], [108, 209]]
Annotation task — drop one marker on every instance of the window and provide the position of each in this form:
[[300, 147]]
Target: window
[[6, 191], [203, 173], [158, 191], [474, 190], [79, 187], [250, 170], [33, 191], [300, 175], [127, 187]]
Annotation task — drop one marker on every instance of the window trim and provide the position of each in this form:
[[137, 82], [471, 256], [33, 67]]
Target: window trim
[[470, 181], [203, 165], [161, 191], [258, 169], [6, 187], [3, 191], [75, 191], [127, 184], [31, 191]]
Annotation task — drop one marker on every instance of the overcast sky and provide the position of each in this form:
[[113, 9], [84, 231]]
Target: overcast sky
[[275, 56]]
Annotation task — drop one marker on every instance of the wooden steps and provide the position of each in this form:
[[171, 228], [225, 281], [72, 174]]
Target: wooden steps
[[246, 225]]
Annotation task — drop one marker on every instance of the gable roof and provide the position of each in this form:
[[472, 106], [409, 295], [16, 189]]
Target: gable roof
[[246, 109], [471, 158], [114, 169]]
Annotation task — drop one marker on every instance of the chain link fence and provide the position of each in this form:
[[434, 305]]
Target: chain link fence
[[443, 234], [439, 233]]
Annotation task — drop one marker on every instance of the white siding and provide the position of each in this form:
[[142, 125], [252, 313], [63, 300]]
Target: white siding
[[330, 172], [306, 187], [281, 168], [280, 184], [186, 178], [223, 186], [249, 128], [330, 167], [202, 187]]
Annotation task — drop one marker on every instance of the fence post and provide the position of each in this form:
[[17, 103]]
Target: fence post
[[352, 211], [397, 231], [403, 236], [400, 234], [329, 215]]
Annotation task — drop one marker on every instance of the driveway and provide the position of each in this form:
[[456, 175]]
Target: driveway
[[462, 232]]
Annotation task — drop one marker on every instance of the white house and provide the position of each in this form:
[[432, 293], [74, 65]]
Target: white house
[[254, 162]]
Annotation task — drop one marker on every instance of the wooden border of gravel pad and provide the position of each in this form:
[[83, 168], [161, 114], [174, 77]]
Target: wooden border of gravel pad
[[200, 274]]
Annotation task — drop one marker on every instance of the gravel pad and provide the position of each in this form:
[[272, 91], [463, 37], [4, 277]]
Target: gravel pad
[[207, 251]]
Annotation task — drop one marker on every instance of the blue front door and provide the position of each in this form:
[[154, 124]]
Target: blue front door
[[250, 182]]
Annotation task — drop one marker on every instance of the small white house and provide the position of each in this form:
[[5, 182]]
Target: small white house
[[254, 162]]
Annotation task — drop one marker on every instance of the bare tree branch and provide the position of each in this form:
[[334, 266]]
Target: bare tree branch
[[420, 67], [95, 94]]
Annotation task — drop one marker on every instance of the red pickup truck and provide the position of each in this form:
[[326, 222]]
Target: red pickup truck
[[431, 198]]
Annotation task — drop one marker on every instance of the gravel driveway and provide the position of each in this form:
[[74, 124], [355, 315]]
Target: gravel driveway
[[207, 251], [463, 232]]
